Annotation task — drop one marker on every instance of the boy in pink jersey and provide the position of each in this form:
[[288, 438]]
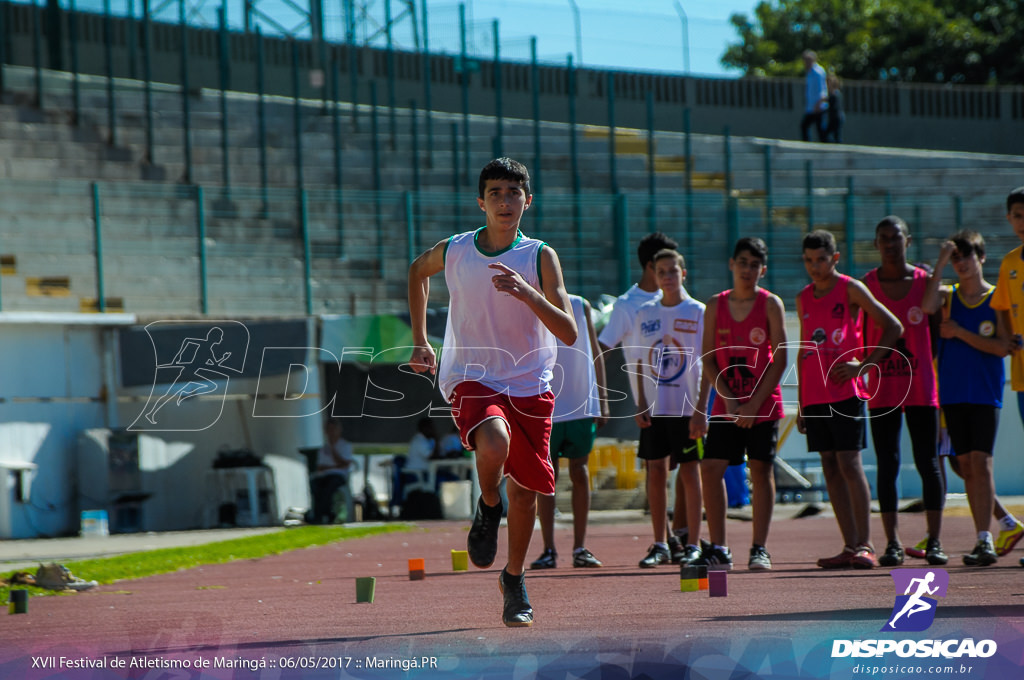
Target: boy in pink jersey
[[508, 304], [902, 385], [832, 391], [744, 356]]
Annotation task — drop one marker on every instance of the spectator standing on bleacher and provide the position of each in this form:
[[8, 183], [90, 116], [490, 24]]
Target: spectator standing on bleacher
[[815, 97], [621, 328], [744, 354], [580, 408]]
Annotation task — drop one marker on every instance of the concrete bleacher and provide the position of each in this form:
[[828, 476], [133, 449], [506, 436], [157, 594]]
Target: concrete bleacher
[[358, 245]]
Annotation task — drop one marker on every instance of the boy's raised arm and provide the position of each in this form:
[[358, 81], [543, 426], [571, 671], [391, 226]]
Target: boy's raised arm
[[422, 268], [552, 308], [935, 293]]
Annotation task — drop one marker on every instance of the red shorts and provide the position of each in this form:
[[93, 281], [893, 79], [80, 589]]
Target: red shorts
[[528, 422]]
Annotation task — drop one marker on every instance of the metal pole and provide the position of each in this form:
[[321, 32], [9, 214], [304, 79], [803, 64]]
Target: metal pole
[[465, 89], [186, 105], [336, 130], [133, 41], [849, 228], [578, 27], [37, 53], [410, 228], [392, 122], [651, 181], [958, 212], [76, 90], [622, 238], [535, 95], [147, 74], [428, 105], [809, 183], [101, 293], [225, 83], [688, 177], [3, 47], [300, 180], [455, 172], [769, 209], [498, 105], [684, 20], [375, 141], [261, 119], [414, 131], [610, 87], [307, 260], [727, 157], [204, 291], [108, 58], [577, 206], [353, 59]]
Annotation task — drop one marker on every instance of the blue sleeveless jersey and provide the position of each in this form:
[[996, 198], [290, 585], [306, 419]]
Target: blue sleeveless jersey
[[967, 375]]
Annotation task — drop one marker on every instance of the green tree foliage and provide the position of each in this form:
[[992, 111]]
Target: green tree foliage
[[940, 41]]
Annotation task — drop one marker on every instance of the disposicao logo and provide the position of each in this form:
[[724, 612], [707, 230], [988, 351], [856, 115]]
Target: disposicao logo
[[914, 611], [916, 590]]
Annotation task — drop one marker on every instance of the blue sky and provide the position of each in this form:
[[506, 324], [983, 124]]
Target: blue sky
[[644, 34]]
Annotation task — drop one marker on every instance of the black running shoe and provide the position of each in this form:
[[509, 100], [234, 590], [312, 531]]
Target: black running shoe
[[482, 542], [547, 560], [893, 556], [984, 554], [585, 558], [714, 558], [933, 553], [517, 612], [655, 556], [675, 548]]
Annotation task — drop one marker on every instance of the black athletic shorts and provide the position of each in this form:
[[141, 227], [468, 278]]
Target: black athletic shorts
[[728, 441], [839, 426], [670, 436], [971, 427]]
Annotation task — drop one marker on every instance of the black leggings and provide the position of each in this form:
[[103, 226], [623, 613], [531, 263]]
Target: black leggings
[[923, 424]]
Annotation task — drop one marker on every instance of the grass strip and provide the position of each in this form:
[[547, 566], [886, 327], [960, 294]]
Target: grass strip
[[165, 560]]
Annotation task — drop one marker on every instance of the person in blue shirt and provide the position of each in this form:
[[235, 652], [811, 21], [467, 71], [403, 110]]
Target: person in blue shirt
[[815, 97], [974, 341]]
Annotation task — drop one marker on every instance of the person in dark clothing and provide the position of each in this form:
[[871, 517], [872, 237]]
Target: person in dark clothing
[[834, 116]]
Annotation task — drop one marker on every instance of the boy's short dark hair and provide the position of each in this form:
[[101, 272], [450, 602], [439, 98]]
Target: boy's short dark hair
[[670, 252], [893, 221], [968, 241], [752, 245], [652, 244], [820, 238], [505, 168], [1016, 196]]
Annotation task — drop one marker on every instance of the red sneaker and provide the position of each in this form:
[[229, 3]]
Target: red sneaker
[[840, 561], [864, 558]]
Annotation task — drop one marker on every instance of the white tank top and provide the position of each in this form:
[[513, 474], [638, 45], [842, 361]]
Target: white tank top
[[491, 337], [575, 379]]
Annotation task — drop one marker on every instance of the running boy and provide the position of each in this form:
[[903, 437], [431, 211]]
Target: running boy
[[508, 305], [671, 328], [971, 375], [832, 390], [744, 356], [902, 386]]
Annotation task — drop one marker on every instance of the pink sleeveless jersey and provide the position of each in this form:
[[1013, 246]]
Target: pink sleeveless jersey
[[828, 335], [907, 376], [743, 352]]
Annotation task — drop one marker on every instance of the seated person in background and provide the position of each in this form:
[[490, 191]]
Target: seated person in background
[[422, 448], [451, 444], [334, 462]]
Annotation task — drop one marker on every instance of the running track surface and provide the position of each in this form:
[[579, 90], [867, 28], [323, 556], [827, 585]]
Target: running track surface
[[298, 610]]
